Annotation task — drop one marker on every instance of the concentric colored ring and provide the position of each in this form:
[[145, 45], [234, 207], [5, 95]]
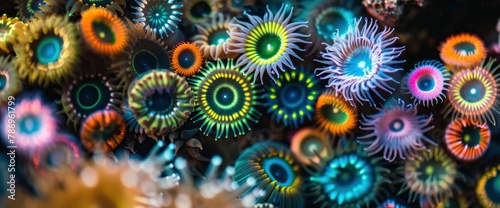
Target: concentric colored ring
[[427, 82], [226, 99], [186, 59], [103, 31], [161, 101], [462, 51], [467, 139], [334, 114]]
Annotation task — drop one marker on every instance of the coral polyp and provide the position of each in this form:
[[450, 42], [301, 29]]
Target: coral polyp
[[307, 143], [160, 16], [186, 59], [213, 37], [11, 30], [275, 170], [62, 156], [462, 51], [48, 53], [360, 63], [467, 139], [292, 97], [266, 44], [430, 177], [33, 124], [326, 18], [102, 131], [144, 52], [103, 31], [226, 99], [427, 82], [347, 178], [334, 114], [197, 11], [161, 101], [87, 94], [10, 84], [398, 131], [488, 188], [474, 93], [79, 6]]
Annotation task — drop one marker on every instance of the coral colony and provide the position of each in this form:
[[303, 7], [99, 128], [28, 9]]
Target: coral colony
[[249, 103]]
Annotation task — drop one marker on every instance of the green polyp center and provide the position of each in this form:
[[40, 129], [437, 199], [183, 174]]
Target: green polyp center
[[143, 61], [293, 95], [359, 63], [334, 114], [3, 82], [431, 170], [103, 31], [492, 188], [311, 144], [464, 48], [268, 46], [330, 22], [396, 125], [201, 9], [49, 49], [471, 136], [99, 3], [186, 59], [218, 37], [160, 102], [426, 83], [225, 96], [88, 95], [30, 124], [473, 91]]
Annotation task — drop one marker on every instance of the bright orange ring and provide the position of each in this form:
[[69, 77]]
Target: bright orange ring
[[96, 43], [194, 67], [460, 59], [100, 124], [343, 117]]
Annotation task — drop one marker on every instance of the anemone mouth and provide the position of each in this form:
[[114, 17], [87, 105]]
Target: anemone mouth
[[292, 97], [279, 170], [89, 95], [267, 43], [48, 49], [218, 37]]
